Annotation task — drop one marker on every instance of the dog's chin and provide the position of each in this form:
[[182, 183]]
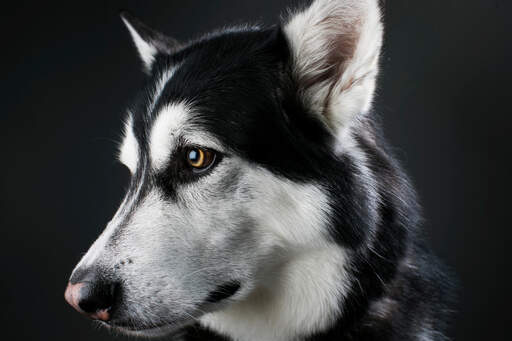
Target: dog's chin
[[160, 331], [171, 329], [216, 300]]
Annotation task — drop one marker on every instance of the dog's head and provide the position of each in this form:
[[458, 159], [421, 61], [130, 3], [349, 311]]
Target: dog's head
[[232, 146]]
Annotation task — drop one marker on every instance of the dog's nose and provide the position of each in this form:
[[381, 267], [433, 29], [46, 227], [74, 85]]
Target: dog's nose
[[91, 298]]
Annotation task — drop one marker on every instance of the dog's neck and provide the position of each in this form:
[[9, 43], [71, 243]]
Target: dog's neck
[[302, 298]]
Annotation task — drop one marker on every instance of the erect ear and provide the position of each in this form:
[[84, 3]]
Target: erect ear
[[148, 41], [335, 47]]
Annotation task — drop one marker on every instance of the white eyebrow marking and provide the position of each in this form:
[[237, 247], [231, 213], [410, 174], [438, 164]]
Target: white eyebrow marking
[[160, 85], [168, 125], [129, 148]]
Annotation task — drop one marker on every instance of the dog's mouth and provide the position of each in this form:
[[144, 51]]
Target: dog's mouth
[[158, 330], [145, 328], [133, 327]]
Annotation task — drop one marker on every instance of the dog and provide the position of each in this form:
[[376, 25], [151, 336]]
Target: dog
[[264, 203]]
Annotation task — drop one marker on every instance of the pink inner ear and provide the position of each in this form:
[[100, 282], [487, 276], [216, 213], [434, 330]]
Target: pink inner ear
[[336, 46]]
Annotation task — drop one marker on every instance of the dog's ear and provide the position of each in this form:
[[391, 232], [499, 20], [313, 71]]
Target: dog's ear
[[149, 42], [335, 47]]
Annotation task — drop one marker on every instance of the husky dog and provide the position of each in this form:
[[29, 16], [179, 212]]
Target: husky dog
[[264, 204]]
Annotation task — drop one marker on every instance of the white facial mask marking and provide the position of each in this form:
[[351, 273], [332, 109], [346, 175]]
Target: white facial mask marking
[[129, 149], [303, 297], [100, 244], [168, 125], [303, 294], [160, 85], [299, 210]]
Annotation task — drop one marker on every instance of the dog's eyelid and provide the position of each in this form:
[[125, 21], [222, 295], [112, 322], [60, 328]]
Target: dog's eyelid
[[207, 146], [202, 140], [223, 152]]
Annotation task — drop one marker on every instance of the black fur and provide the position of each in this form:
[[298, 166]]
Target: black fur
[[223, 291], [244, 92]]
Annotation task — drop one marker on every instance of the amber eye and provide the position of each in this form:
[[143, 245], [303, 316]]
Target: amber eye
[[199, 158]]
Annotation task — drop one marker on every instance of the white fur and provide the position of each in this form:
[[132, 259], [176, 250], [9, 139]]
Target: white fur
[[160, 85], [129, 148], [354, 29], [173, 122], [303, 292], [299, 210], [168, 125], [96, 250], [147, 51], [301, 298]]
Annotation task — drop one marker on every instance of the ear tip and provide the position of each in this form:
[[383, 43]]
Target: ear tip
[[123, 13], [127, 16]]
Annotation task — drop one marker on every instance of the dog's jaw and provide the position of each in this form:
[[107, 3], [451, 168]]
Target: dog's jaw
[[304, 297], [166, 330]]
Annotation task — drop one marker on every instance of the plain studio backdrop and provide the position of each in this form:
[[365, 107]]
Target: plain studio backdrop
[[70, 69]]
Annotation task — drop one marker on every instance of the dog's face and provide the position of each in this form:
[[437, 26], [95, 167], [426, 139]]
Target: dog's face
[[230, 147]]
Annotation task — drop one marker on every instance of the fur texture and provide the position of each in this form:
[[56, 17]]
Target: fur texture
[[304, 227]]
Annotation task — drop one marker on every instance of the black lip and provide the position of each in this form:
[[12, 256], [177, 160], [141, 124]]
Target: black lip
[[138, 329], [223, 291], [220, 293], [134, 328]]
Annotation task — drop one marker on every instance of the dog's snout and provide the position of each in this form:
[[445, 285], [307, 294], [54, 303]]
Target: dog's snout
[[91, 296]]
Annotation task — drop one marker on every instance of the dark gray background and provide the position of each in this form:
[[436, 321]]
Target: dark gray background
[[69, 70]]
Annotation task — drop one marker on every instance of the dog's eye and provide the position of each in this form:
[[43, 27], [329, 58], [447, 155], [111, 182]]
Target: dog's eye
[[199, 158]]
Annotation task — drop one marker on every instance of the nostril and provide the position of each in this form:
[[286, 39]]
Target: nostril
[[93, 299], [96, 296]]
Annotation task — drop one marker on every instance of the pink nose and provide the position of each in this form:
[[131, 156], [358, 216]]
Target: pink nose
[[82, 297]]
